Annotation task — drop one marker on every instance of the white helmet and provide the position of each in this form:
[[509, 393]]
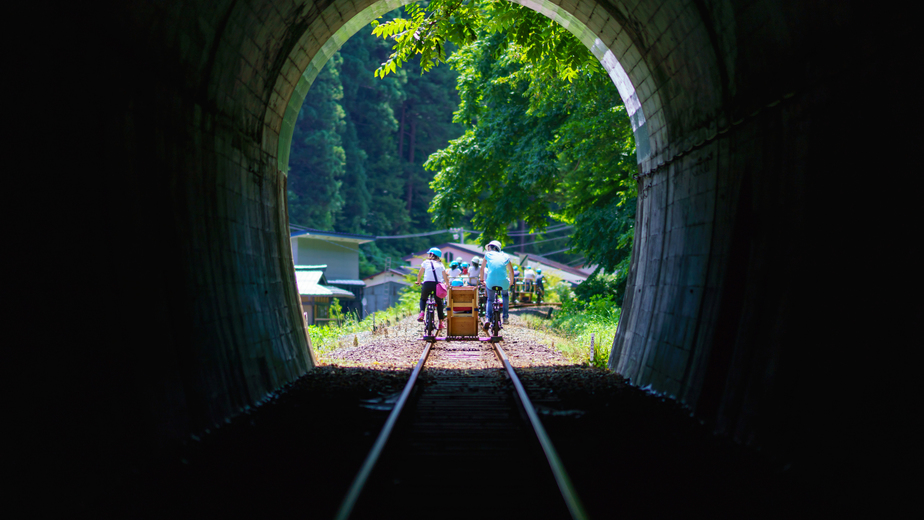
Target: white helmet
[[496, 244]]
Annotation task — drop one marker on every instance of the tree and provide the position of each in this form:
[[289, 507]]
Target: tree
[[547, 137], [348, 171], [317, 157]]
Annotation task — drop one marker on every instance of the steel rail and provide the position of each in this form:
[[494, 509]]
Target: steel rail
[[346, 507], [558, 469]]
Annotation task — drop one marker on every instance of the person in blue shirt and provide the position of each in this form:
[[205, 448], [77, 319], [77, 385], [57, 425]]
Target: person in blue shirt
[[496, 272]]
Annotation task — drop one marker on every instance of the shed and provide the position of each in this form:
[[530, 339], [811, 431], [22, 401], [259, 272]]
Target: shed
[[316, 294]]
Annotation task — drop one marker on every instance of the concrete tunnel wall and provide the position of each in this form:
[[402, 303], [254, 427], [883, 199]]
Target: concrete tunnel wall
[[740, 102]]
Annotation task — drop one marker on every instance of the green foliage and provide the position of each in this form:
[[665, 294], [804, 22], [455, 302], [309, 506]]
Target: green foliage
[[428, 29], [325, 338], [539, 147], [359, 145], [598, 318], [314, 199], [603, 285], [575, 323], [336, 310]]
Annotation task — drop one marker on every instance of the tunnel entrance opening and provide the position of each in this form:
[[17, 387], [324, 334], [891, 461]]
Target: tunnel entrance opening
[[598, 48]]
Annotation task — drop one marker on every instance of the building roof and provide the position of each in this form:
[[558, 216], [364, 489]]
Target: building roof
[[311, 282], [346, 282], [552, 263], [300, 231], [400, 271]]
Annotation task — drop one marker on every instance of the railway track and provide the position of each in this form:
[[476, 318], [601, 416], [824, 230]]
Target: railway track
[[462, 446]]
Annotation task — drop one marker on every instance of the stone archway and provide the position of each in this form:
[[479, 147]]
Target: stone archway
[[185, 103]]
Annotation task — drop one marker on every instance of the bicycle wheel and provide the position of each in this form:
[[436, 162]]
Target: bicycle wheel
[[429, 323], [496, 317]]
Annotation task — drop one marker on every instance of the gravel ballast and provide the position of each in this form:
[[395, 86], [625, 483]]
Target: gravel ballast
[[628, 451]]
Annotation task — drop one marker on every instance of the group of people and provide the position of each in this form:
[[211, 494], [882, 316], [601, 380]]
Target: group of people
[[497, 271]]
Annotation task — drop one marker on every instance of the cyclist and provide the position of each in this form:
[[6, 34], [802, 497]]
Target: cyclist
[[454, 271], [497, 272], [529, 278], [474, 271], [430, 273]]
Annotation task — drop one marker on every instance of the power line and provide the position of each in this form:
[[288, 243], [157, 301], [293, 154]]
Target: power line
[[429, 233], [474, 232], [539, 241], [549, 230], [556, 252], [452, 231]]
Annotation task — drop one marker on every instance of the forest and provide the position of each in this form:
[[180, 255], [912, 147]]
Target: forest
[[483, 115]]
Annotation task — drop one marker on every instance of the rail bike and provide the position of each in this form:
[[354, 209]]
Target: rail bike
[[525, 294], [464, 307]]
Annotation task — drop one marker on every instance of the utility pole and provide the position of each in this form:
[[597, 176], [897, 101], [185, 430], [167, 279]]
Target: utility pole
[[522, 236]]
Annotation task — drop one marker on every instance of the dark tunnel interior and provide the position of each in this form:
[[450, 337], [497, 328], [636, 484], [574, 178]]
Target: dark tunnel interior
[[765, 274]]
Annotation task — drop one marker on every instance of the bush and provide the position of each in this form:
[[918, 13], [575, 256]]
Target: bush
[[609, 285]]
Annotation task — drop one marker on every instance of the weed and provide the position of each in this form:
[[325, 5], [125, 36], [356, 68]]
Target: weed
[[574, 325]]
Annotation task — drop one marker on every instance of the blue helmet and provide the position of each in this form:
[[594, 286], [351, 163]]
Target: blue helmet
[[454, 263], [539, 270], [464, 265], [435, 252]]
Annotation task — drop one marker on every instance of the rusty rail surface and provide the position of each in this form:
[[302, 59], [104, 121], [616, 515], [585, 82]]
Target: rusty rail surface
[[346, 507], [561, 478], [558, 469]]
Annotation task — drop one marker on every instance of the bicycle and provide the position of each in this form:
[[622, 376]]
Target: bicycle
[[482, 299], [429, 317], [497, 309]]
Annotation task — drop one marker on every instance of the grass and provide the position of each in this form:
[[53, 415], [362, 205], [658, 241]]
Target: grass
[[575, 324], [325, 338], [570, 330]]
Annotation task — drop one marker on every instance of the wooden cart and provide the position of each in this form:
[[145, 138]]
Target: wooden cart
[[462, 312]]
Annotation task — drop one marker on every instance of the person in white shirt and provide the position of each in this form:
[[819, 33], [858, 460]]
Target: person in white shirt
[[454, 271], [474, 271], [530, 278], [430, 273]]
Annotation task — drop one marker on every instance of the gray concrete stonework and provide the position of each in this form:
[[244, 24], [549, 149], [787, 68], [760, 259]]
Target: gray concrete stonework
[[745, 174]]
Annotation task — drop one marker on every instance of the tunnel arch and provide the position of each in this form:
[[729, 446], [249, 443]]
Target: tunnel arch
[[735, 230], [685, 67], [356, 21]]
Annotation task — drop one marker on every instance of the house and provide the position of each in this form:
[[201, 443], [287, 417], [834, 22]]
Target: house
[[451, 251], [339, 252], [383, 289], [315, 293], [572, 275]]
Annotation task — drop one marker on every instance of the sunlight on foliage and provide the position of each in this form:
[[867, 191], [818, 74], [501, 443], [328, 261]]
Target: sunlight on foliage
[[575, 323], [340, 331]]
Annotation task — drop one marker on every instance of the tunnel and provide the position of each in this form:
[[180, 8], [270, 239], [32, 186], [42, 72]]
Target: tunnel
[[763, 128]]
